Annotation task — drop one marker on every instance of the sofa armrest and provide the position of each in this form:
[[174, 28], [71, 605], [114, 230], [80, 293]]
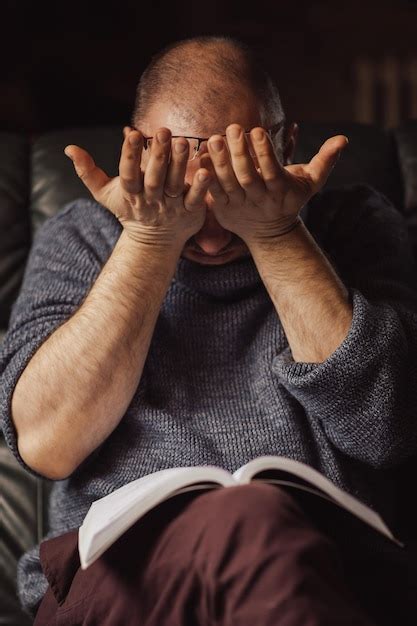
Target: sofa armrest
[[23, 524]]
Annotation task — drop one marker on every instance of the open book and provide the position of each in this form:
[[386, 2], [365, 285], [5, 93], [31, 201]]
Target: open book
[[109, 517]]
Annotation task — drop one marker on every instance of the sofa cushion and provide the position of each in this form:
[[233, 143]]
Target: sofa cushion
[[406, 140], [19, 530], [15, 234], [370, 157], [54, 181]]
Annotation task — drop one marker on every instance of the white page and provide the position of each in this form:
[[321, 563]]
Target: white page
[[109, 517], [245, 474], [111, 533]]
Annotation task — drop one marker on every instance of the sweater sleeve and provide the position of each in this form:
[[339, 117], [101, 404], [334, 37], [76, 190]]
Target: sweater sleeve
[[364, 395], [61, 268]]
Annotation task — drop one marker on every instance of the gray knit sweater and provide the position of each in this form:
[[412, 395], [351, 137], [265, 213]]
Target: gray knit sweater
[[219, 384]]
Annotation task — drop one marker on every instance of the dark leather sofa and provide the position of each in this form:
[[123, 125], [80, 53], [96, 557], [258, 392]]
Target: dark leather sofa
[[37, 180]]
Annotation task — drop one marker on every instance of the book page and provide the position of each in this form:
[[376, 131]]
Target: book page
[[109, 517], [311, 476]]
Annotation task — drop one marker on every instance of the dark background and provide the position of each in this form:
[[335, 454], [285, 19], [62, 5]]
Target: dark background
[[77, 63]]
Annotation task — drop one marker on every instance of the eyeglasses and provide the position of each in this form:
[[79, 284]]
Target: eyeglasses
[[199, 144]]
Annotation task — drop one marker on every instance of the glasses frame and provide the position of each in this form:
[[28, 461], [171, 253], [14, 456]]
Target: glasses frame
[[272, 130]]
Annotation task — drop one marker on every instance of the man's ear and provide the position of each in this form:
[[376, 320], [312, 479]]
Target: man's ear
[[290, 140]]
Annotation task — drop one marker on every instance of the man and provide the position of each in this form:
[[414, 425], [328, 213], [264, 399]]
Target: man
[[189, 316]]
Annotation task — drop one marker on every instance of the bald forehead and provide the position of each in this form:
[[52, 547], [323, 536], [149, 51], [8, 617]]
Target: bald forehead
[[203, 95], [195, 117]]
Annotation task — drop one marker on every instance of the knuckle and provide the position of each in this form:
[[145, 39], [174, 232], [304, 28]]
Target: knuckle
[[246, 180], [153, 187], [83, 174], [221, 163], [270, 178], [230, 189], [129, 179]]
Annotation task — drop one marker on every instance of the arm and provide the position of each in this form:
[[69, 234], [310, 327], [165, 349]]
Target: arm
[[360, 384], [79, 383], [363, 394], [91, 366], [310, 299]]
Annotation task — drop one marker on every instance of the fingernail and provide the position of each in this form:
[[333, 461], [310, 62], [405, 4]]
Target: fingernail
[[134, 140], [68, 155], [180, 146], [163, 136], [234, 132], [257, 134], [202, 177], [216, 144]]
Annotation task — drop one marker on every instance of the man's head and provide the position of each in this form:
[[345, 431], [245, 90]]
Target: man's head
[[197, 87]]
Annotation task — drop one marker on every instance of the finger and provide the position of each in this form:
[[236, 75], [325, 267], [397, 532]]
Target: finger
[[272, 172], [323, 162], [242, 162], [215, 188], [92, 176], [219, 155], [174, 181], [194, 198], [126, 131], [131, 177], [156, 168]]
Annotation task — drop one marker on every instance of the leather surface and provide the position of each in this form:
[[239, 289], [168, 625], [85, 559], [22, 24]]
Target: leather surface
[[18, 531], [406, 140], [14, 218], [370, 157], [54, 181]]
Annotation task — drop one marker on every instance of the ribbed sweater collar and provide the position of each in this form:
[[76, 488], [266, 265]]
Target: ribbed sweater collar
[[231, 281]]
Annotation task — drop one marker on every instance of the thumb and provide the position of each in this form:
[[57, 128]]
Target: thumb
[[92, 176], [324, 161], [126, 131]]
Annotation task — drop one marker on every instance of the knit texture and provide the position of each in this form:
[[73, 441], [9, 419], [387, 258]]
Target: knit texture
[[219, 384]]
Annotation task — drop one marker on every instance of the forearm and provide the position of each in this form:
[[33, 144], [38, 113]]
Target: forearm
[[310, 299], [78, 385]]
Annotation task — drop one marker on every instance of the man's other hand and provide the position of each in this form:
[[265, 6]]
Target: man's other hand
[[254, 195], [155, 206]]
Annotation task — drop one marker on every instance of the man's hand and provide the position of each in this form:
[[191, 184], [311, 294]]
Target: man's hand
[[259, 203], [154, 206]]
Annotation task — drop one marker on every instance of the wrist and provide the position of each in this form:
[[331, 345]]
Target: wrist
[[141, 242], [276, 235]]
